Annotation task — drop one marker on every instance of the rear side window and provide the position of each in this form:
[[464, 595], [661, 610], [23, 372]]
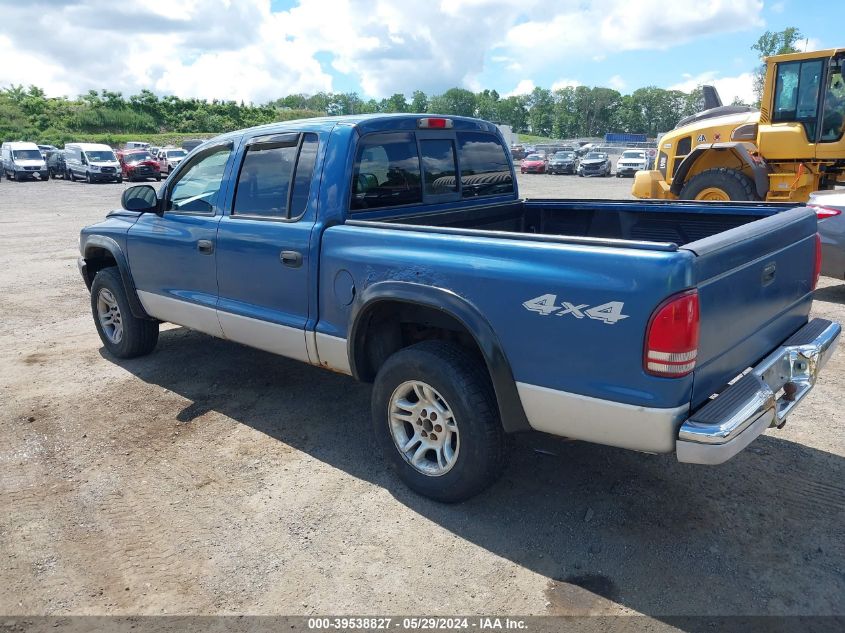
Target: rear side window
[[272, 183], [485, 169], [439, 168], [386, 172]]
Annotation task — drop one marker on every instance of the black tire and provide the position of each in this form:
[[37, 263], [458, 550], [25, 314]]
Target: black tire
[[72, 175], [463, 384], [139, 335], [88, 177], [735, 184], [119, 179], [158, 176]]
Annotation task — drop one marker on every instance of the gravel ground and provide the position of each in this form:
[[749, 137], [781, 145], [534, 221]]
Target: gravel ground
[[210, 478]]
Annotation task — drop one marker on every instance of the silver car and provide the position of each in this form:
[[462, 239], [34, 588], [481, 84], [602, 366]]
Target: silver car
[[830, 209], [169, 158]]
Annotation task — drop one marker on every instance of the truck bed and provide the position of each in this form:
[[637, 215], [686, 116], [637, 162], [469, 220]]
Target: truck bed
[[671, 222], [752, 264]]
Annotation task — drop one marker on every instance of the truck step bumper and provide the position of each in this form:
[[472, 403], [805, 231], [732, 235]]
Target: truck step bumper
[[763, 397]]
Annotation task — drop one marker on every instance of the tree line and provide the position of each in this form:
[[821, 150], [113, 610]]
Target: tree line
[[565, 113]]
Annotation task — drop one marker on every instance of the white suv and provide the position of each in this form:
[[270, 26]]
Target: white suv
[[631, 161]]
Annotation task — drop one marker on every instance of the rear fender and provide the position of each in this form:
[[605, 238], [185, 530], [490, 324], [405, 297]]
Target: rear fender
[[510, 406]]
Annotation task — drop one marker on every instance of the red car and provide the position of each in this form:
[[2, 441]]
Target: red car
[[533, 164], [138, 164]]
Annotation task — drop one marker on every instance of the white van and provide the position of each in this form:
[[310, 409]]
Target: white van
[[22, 160], [92, 161], [136, 145]]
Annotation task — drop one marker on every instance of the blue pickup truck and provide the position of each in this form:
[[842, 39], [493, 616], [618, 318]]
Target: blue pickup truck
[[396, 249]]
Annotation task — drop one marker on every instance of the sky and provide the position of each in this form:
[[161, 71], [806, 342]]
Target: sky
[[259, 50]]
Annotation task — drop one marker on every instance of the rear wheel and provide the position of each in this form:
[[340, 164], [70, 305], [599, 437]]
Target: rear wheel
[[719, 184], [123, 334], [436, 419]]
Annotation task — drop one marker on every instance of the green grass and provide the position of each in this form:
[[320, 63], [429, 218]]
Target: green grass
[[530, 139]]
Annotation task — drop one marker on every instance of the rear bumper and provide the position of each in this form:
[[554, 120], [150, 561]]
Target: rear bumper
[[762, 398]]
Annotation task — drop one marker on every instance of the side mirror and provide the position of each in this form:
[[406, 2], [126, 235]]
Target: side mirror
[[140, 198], [84, 161]]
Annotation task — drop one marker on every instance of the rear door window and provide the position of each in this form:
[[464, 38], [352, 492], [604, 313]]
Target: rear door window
[[275, 177], [386, 172], [485, 169]]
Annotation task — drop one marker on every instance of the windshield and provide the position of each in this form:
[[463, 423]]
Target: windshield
[[534, 157], [176, 153], [136, 157], [100, 155], [27, 154], [595, 156], [633, 155], [565, 155]]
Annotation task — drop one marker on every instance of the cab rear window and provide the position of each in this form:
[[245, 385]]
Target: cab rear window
[[394, 169]]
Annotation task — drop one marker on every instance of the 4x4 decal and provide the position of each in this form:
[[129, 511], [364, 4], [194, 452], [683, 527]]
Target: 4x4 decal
[[545, 305]]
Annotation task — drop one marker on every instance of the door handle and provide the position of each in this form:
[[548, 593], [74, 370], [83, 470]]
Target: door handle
[[206, 247], [291, 258]]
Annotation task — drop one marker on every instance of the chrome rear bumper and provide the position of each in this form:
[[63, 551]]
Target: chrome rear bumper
[[760, 399]]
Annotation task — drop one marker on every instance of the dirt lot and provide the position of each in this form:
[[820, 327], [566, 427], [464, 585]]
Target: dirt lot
[[211, 478]]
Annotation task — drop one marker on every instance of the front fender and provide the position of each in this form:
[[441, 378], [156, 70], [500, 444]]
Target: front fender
[[745, 152], [93, 243], [510, 406]]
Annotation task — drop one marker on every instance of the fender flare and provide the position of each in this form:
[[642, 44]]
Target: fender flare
[[112, 247], [511, 411], [746, 152]]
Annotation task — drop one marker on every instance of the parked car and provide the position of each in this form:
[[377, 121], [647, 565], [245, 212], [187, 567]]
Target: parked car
[[533, 164], [398, 250], [56, 164], [631, 161], [562, 163], [138, 164], [830, 210], [22, 160], [136, 145], [46, 149], [93, 162], [517, 152], [169, 158], [191, 144], [594, 164]]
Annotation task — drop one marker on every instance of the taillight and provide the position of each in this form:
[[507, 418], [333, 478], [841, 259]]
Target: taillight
[[817, 267], [434, 123], [822, 213], [672, 337]]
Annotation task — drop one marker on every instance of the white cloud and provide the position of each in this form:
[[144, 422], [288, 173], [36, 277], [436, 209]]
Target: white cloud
[[524, 87], [730, 88], [243, 50], [566, 83], [778, 7], [617, 82]]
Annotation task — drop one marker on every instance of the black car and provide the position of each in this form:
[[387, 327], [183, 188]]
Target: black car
[[56, 163], [562, 163], [594, 164]]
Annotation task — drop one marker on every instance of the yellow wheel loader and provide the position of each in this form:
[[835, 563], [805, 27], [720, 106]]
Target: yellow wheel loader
[[794, 145]]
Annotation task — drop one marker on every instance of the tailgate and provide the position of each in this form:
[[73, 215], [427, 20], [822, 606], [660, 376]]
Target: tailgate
[[755, 290]]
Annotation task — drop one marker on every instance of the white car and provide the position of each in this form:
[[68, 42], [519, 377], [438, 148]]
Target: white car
[[631, 161], [169, 157]]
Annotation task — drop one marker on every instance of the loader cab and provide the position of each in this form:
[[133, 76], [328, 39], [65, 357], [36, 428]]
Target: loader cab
[[803, 107]]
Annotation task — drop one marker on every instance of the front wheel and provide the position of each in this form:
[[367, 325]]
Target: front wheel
[[158, 176], [720, 184], [88, 177], [123, 334], [436, 419]]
